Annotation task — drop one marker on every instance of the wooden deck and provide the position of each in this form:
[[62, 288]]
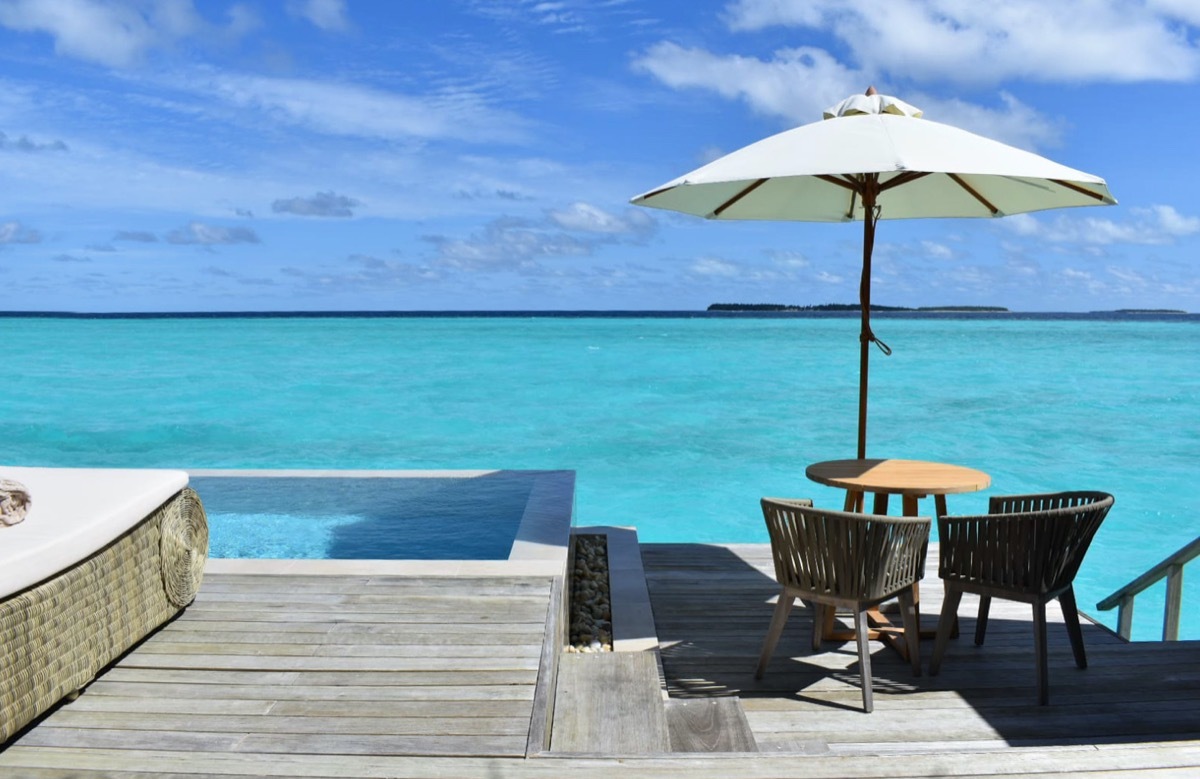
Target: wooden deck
[[712, 607], [319, 665], [381, 676]]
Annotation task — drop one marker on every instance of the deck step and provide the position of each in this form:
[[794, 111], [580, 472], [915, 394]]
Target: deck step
[[609, 702], [709, 725]]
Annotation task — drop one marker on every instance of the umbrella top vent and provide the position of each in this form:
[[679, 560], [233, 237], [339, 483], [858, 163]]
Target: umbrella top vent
[[872, 103]]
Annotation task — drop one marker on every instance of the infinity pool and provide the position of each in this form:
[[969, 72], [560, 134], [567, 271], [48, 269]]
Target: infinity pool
[[382, 515]]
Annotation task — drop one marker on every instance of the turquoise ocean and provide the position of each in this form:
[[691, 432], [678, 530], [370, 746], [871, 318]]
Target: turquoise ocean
[[676, 424]]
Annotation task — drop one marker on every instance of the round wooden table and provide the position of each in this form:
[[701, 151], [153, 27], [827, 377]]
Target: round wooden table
[[910, 479]]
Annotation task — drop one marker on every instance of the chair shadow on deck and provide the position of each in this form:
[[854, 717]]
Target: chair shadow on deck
[[713, 606]]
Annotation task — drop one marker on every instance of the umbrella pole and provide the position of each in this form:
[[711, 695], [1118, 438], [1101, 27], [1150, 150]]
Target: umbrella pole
[[869, 191]]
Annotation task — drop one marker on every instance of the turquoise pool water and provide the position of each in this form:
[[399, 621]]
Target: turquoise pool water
[[676, 426], [364, 518]]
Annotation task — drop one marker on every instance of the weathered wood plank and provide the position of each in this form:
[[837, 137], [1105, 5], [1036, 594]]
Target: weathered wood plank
[[448, 665], [355, 635], [709, 725], [609, 703], [365, 722], [313, 744], [354, 694], [529, 617], [1168, 760], [344, 648]]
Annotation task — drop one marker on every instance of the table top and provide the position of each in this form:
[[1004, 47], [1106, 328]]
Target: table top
[[898, 477]]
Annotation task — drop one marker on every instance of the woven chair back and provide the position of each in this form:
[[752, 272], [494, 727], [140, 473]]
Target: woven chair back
[[860, 557], [1031, 545]]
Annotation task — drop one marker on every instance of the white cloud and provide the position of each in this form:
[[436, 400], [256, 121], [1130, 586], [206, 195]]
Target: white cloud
[[1156, 225], [711, 266], [115, 33], [1011, 122], [507, 244], [1187, 11], [320, 204], [797, 85], [986, 43], [788, 258], [587, 218], [510, 243], [939, 251], [329, 15], [935, 41], [351, 110], [26, 144], [209, 235], [15, 232], [137, 236]]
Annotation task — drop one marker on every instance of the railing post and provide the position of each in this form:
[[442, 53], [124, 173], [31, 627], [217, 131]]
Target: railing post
[[1174, 602], [1170, 569], [1125, 618]]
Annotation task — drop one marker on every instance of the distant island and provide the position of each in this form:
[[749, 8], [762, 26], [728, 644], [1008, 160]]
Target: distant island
[[854, 307], [1147, 311]]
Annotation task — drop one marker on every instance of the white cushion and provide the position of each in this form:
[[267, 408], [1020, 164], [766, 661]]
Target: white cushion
[[73, 513]]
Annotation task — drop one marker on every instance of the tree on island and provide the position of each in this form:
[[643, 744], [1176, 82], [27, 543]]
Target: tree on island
[[848, 307]]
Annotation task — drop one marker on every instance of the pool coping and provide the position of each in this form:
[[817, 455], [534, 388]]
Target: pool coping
[[539, 548]]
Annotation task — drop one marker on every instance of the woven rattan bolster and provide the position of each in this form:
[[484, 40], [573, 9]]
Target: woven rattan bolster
[[56, 636]]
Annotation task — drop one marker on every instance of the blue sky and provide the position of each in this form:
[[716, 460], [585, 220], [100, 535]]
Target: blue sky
[[171, 155]]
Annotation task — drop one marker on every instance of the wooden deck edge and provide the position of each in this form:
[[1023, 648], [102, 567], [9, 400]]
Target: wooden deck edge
[[546, 688]]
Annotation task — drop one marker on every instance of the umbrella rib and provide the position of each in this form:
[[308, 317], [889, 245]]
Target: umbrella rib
[[903, 178], [971, 190], [1079, 189], [839, 181], [853, 186], [721, 208], [655, 193]]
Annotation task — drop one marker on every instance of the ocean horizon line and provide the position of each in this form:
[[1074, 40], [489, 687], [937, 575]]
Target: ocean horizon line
[[1133, 314]]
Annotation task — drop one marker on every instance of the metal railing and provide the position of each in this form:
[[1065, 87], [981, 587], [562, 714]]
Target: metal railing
[[1170, 569]]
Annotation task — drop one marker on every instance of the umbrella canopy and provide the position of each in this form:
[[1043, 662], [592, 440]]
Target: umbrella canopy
[[875, 158]]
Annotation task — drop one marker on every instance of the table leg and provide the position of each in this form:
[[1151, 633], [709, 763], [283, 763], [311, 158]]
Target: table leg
[[854, 501], [939, 504], [889, 633], [881, 503]]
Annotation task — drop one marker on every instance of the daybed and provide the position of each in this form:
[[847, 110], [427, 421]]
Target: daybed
[[104, 557]]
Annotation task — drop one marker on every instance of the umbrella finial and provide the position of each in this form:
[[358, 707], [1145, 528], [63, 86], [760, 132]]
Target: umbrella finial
[[870, 91]]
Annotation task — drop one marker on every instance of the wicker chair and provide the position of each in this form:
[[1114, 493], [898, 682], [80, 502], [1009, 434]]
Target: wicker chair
[[834, 559], [1027, 548]]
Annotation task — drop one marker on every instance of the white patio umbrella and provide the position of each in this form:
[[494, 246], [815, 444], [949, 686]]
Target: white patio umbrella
[[873, 158]]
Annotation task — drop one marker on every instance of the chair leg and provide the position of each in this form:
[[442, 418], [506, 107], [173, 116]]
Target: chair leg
[[864, 658], [1039, 640], [820, 615], [911, 619], [1071, 617], [778, 620], [985, 605], [945, 625]]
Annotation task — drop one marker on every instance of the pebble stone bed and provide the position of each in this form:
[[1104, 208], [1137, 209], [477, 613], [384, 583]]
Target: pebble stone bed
[[591, 610]]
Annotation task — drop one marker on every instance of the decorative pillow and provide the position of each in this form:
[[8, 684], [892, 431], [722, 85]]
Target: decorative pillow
[[14, 502]]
